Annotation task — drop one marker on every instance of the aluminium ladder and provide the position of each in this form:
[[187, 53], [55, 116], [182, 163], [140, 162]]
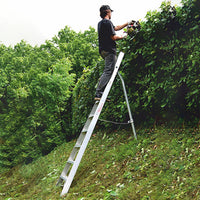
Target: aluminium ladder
[[76, 155]]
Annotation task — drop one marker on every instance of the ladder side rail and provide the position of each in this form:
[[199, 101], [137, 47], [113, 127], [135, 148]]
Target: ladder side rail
[[128, 106], [91, 127]]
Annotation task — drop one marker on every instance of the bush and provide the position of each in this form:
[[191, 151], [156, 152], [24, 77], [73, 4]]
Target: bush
[[160, 68]]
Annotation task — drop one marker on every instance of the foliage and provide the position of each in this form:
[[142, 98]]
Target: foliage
[[162, 64], [33, 97], [80, 48], [36, 85], [160, 69]]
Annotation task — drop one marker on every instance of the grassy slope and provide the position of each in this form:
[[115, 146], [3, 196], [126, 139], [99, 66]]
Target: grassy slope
[[162, 164]]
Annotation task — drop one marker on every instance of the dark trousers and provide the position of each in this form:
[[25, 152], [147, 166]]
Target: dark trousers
[[110, 60]]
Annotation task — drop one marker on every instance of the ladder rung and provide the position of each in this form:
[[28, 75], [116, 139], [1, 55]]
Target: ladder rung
[[63, 177], [94, 109], [84, 130], [87, 124], [70, 161], [91, 115], [77, 146], [81, 138]]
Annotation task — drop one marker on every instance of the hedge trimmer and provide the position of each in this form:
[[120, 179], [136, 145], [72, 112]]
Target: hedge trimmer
[[133, 29]]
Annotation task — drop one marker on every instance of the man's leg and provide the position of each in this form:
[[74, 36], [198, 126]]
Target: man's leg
[[110, 61]]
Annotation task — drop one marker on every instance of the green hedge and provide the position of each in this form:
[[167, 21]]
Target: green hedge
[[160, 68]]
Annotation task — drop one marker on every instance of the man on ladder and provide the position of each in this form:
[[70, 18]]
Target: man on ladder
[[107, 46], [107, 79]]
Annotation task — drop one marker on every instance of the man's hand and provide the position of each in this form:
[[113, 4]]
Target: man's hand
[[124, 35], [118, 37], [131, 22]]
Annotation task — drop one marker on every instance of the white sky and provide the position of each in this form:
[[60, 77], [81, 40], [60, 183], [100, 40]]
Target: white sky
[[38, 20]]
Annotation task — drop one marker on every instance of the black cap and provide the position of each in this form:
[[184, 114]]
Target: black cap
[[105, 7]]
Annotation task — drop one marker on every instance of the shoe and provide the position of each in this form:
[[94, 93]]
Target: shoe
[[99, 98]]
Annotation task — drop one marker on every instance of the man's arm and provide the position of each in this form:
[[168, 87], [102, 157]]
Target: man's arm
[[120, 27], [116, 37]]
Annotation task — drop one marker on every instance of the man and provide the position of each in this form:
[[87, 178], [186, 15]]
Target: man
[[107, 46]]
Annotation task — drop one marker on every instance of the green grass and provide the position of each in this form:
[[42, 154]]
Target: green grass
[[162, 164]]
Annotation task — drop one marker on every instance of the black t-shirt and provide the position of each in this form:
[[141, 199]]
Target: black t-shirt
[[105, 31]]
